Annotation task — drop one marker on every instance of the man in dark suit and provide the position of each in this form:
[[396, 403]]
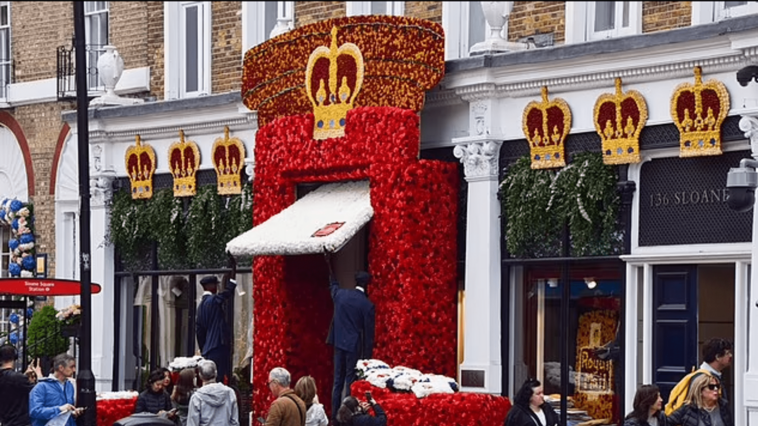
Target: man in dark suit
[[352, 330], [213, 333]]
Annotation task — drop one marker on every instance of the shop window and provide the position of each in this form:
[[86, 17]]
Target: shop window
[[599, 20], [96, 34], [188, 51], [355, 8], [464, 26], [5, 48], [595, 378], [262, 20]]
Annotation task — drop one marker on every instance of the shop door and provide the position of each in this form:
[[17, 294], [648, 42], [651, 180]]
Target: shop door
[[674, 324]]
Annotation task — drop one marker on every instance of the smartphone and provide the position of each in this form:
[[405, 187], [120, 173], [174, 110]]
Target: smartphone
[[261, 420], [368, 396]]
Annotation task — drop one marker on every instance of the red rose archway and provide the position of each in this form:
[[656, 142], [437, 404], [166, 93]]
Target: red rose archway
[[383, 66]]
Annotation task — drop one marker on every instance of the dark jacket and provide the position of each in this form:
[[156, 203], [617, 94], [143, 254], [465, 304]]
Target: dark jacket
[[661, 416], [211, 326], [352, 328], [153, 402], [689, 414], [524, 416], [364, 419], [14, 404]]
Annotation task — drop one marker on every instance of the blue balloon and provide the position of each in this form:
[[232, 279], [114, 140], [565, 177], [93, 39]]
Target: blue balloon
[[29, 263], [14, 269], [13, 318], [14, 224], [16, 205], [13, 338], [26, 238], [29, 313], [2, 214], [13, 244]]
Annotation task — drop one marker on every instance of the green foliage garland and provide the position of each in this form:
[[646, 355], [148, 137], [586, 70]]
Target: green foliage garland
[[535, 204], [44, 334]]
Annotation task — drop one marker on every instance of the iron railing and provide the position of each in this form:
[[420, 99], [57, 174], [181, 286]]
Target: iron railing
[[66, 72]]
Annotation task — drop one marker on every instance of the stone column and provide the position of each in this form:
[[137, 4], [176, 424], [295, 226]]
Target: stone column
[[481, 370]]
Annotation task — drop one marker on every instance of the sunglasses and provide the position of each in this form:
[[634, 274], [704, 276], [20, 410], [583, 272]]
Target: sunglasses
[[714, 387]]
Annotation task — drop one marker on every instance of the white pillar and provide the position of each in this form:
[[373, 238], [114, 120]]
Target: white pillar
[[749, 125], [481, 370]]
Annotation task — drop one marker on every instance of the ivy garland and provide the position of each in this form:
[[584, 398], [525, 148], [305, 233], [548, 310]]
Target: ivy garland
[[536, 203], [190, 233]]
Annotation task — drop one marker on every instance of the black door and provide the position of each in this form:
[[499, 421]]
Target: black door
[[674, 324]]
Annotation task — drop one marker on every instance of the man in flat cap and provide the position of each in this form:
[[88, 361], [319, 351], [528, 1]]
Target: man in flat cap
[[213, 334], [351, 332]]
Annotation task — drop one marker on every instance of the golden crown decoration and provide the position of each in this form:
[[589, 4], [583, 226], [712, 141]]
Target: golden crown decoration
[[619, 118], [546, 125], [140, 166], [228, 158], [183, 161], [699, 111], [333, 78]]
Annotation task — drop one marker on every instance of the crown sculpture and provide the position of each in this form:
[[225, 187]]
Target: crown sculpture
[[228, 157], [184, 159], [140, 166], [333, 78], [619, 118], [546, 125], [699, 111]]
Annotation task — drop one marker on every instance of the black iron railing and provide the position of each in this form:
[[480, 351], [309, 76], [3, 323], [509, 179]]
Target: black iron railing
[[66, 72]]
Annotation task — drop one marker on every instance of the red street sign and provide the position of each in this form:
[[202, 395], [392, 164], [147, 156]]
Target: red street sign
[[43, 287]]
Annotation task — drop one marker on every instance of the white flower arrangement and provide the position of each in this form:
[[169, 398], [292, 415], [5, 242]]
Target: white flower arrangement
[[117, 395], [404, 379], [180, 363]]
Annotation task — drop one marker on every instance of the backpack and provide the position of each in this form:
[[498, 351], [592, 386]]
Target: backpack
[[679, 394]]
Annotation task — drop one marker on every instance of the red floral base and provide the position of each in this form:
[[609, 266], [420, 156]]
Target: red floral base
[[111, 410], [457, 409]]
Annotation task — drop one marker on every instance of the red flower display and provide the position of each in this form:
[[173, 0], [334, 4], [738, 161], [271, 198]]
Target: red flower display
[[111, 410]]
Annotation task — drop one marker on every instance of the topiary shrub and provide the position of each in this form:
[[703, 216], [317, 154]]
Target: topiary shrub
[[44, 335]]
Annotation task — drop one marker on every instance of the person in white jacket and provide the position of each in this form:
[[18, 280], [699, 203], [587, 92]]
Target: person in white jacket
[[214, 404], [315, 415]]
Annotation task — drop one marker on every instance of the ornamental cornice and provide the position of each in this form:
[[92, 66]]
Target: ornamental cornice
[[479, 157], [242, 122], [477, 92], [442, 98]]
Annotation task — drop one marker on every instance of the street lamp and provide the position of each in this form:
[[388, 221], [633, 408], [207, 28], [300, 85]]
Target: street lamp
[[85, 380]]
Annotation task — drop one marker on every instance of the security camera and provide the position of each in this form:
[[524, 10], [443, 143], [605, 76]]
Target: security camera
[[746, 74], [741, 183]]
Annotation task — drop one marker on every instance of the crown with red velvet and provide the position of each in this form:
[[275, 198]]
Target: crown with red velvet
[[546, 125], [184, 160], [140, 166], [619, 118], [228, 160], [699, 111]]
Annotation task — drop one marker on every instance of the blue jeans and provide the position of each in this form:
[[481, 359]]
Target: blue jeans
[[344, 376]]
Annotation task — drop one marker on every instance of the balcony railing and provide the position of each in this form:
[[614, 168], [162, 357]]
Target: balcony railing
[[66, 72]]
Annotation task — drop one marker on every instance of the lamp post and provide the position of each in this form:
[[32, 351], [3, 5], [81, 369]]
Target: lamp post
[[85, 380]]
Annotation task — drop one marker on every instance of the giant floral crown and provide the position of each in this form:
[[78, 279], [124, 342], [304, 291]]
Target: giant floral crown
[[619, 118], [228, 157], [140, 166], [546, 125], [184, 160]]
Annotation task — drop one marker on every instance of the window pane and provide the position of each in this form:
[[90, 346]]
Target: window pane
[[191, 54], [730, 4], [605, 15], [270, 16], [625, 20], [476, 25], [4, 15], [379, 7]]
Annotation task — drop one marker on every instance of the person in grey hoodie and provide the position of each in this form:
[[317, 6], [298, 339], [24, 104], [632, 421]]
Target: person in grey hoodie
[[214, 403]]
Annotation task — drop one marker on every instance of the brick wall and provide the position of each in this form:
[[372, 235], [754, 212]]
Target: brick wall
[[128, 32], [537, 17], [310, 12], [155, 47], [431, 10], [34, 50], [665, 15], [226, 73]]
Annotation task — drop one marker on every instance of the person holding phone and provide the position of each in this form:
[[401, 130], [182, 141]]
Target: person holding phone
[[356, 413], [54, 395]]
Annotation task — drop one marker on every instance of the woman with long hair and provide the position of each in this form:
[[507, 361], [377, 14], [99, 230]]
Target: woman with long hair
[[646, 408], [354, 413], [703, 405], [315, 415], [529, 407], [183, 390]]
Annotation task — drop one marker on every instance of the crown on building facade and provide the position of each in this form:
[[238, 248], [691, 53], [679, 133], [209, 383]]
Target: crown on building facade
[[619, 118], [699, 111], [140, 166], [333, 78], [546, 125], [228, 160], [184, 160]]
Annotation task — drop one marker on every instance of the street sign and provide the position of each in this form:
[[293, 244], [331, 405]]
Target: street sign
[[43, 287]]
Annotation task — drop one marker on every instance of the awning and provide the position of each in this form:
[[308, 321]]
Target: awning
[[325, 219]]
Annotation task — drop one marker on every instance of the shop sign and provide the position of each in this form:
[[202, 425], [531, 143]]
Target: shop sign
[[43, 287], [683, 201]]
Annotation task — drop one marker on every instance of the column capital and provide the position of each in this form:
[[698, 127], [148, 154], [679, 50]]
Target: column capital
[[749, 125], [480, 157], [101, 188]]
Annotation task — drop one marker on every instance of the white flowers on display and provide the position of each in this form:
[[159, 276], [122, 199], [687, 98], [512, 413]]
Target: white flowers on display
[[117, 395], [180, 363], [403, 379]]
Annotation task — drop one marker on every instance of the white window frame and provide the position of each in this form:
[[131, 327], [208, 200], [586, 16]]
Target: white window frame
[[95, 41], [6, 63], [706, 12], [174, 56], [580, 22], [456, 17], [254, 25], [356, 8]]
